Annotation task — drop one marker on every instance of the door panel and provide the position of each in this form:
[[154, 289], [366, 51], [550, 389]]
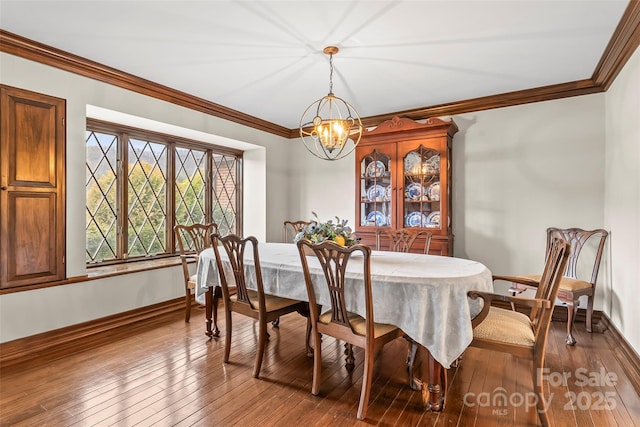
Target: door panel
[[29, 169], [32, 196], [32, 236]]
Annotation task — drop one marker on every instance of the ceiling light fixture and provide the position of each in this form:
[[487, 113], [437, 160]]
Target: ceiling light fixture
[[330, 127]]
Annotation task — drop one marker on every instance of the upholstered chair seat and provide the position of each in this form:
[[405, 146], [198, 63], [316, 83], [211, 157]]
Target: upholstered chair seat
[[359, 324], [271, 302], [566, 283], [505, 326]]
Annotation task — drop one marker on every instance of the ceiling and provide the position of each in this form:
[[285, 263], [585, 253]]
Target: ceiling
[[264, 58]]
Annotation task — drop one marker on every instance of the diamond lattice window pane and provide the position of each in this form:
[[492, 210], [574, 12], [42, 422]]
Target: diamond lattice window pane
[[190, 186], [147, 198], [101, 185], [225, 204]]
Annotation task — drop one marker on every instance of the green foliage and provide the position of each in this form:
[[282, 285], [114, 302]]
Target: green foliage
[[317, 231], [147, 208], [190, 200], [104, 218]]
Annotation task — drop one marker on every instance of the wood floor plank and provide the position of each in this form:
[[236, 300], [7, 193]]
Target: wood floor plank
[[166, 372], [394, 397], [609, 379], [469, 412], [298, 387]]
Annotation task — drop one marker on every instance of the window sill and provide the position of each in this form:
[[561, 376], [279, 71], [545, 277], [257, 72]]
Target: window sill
[[102, 272]]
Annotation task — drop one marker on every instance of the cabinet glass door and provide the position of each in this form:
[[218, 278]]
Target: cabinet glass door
[[421, 199], [375, 190]]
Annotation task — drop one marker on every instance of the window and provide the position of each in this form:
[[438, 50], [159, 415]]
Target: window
[[140, 184]]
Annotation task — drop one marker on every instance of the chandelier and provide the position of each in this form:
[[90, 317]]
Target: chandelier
[[330, 127]]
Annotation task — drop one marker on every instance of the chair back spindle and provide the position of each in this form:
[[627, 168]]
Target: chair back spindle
[[333, 260], [402, 240], [195, 237], [577, 238], [292, 228], [235, 248]]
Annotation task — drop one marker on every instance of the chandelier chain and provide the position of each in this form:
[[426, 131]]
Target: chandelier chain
[[331, 74]]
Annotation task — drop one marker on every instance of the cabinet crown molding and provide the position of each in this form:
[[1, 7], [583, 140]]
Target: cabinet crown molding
[[398, 123]]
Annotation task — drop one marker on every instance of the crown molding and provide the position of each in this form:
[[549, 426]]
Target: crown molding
[[545, 93], [622, 45], [624, 41], [38, 52]]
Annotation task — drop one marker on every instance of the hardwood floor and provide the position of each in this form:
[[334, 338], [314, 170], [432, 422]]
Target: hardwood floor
[[165, 372]]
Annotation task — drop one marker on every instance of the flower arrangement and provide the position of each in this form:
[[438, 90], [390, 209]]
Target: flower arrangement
[[318, 232]]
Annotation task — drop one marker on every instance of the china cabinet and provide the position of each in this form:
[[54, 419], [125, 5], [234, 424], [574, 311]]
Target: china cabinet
[[403, 173]]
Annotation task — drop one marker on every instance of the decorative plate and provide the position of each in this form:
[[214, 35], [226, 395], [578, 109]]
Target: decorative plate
[[387, 193], [432, 166], [375, 169], [375, 193], [413, 191], [433, 220], [412, 163], [434, 191], [378, 218], [415, 219]]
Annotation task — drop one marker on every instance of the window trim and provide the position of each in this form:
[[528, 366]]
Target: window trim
[[124, 132]]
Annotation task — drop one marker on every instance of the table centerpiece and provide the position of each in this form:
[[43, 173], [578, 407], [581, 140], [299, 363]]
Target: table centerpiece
[[317, 231]]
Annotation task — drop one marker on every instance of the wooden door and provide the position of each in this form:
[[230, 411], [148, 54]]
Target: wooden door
[[32, 183]]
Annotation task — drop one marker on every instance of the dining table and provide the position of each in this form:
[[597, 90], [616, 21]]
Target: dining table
[[424, 295]]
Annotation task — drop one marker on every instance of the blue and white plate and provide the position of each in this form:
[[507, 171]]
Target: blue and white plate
[[375, 193], [412, 163], [375, 169], [432, 165], [434, 191], [387, 193], [378, 218], [433, 220], [415, 219], [413, 191]]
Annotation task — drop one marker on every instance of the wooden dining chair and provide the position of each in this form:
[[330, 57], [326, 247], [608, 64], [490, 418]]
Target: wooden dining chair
[[337, 321], [572, 287], [248, 302], [193, 239], [291, 228], [523, 335], [402, 240]]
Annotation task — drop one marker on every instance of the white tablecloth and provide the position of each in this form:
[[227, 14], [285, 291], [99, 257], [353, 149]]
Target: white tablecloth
[[424, 295]]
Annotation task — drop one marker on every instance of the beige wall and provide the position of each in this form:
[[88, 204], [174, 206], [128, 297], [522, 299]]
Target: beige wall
[[519, 170], [622, 199], [324, 187]]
